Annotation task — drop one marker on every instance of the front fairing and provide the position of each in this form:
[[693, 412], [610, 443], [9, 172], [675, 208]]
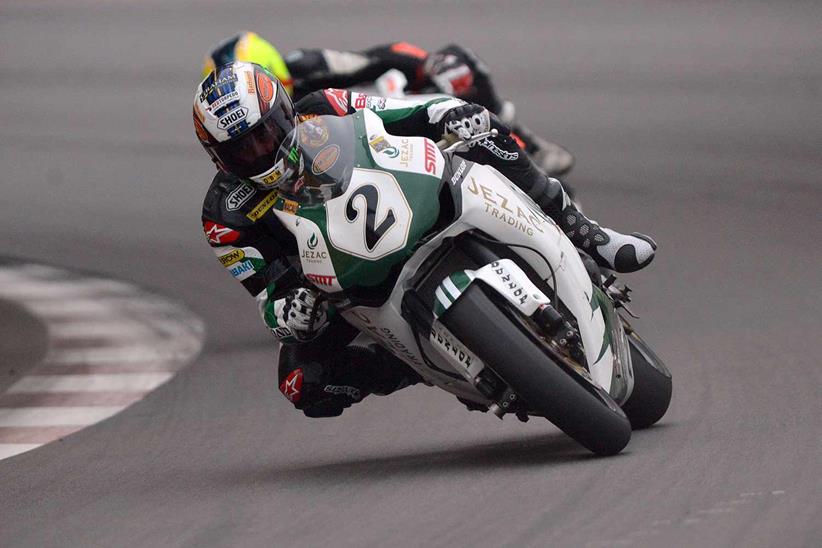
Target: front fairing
[[366, 197]]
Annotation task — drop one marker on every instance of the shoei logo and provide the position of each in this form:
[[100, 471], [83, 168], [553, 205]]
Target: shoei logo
[[239, 196], [233, 117]]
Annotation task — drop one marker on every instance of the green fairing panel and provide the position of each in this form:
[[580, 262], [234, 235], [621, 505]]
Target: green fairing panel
[[420, 190], [392, 115]]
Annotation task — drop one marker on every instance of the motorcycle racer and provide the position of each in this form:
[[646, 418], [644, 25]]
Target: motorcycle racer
[[452, 70], [245, 120]]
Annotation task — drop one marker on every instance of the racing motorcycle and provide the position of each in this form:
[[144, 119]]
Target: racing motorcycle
[[449, 266]]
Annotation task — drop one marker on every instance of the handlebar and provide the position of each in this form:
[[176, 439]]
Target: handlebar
[[451, 142]]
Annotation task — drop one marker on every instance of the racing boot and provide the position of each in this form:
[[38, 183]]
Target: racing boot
[[609, 248]]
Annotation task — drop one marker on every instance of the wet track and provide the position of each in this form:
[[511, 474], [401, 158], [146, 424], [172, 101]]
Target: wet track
[[698, 124]]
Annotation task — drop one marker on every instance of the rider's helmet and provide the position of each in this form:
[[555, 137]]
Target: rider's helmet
[[242, 116], [249, 47]]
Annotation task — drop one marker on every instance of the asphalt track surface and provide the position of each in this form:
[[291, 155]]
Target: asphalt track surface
[[697, 123]]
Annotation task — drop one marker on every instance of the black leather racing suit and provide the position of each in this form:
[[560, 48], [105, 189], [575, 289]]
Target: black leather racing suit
[[452, 70], [324, 376], [314, 69]]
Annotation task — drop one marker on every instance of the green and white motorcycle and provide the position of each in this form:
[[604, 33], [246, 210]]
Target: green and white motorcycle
[[453, 269]]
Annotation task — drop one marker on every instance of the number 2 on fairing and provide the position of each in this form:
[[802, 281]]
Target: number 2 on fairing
[[373, 233], [378, 216]]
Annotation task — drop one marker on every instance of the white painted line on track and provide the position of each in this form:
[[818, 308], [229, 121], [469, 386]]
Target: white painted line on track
[[110, 343], [95, 329], [44, 290], [121, 355], [125, 382], [55, 416], [10, 449], [73, 308]]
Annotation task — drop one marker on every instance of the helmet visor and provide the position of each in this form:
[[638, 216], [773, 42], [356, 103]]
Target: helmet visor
[[253, 152]]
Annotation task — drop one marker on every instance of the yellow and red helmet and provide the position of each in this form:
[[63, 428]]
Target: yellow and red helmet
[[249, 47]]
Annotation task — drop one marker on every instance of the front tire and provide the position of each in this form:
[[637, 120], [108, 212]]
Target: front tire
[[499, 335]]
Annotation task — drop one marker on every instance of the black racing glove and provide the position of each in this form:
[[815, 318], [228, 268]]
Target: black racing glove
[[466, 121], [304, 315]]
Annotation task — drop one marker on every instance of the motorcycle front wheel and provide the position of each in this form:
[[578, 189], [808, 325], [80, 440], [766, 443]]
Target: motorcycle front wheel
[[511, 347]]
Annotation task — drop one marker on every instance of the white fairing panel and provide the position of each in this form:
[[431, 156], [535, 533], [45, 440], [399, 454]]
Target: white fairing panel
[[314, 257], [490, 202], [494, 205]]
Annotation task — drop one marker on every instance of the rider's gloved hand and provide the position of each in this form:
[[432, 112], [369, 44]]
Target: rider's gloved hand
[[468, 120], [305, 320]]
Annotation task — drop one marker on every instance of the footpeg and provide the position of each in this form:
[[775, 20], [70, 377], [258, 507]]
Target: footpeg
[[505, 404]]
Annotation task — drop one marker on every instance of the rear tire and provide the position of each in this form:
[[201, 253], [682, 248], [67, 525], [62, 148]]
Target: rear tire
[[499, 335], [652, 384]]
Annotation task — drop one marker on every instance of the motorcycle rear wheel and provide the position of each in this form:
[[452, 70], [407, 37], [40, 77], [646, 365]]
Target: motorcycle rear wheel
[[653, 386], [510, 346]]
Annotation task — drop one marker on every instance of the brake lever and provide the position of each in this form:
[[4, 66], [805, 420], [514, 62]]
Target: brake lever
[[451, 143]]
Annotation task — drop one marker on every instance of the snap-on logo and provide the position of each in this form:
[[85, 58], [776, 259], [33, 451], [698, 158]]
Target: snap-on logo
[[233, 117]]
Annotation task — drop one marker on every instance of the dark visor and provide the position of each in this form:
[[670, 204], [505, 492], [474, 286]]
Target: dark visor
[[253, 152]]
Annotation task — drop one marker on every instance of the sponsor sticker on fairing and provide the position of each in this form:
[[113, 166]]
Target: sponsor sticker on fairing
[[448, 345], [325, 159], [430, 157], [290, 206], [459, 173], [313, 133], [359, 100], [321, 279], [380, 144], [375, 103], [506, 208]]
